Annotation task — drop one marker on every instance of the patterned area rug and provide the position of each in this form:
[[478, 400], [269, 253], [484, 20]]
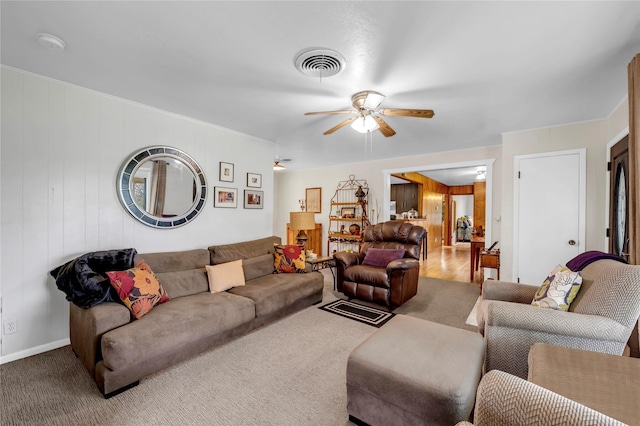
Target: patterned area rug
[[354, 311]]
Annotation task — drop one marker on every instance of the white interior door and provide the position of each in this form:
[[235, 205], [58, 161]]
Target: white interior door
[[549, 213]]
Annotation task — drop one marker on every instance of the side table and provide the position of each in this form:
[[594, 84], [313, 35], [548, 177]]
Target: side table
[[323, 262]]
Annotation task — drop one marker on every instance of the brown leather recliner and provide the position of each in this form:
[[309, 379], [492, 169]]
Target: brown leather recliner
[[390, 286]]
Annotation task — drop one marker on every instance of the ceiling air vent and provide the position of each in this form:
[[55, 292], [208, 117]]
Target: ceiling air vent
[[319, 62]]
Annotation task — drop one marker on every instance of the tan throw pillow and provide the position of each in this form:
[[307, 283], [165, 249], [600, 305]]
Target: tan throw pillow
[[224, 276]]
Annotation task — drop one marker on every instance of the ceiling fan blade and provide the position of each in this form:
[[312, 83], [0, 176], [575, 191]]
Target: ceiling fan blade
[[385, 129], [420, 113], [345, 111], [339, 126]]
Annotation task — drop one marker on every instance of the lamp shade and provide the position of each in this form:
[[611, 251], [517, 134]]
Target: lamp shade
[[302, 220]]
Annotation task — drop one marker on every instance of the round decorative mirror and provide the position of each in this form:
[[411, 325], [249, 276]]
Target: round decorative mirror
[[162, 187]]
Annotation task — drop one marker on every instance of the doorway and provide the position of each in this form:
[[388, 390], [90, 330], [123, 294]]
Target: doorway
[[450, 262]]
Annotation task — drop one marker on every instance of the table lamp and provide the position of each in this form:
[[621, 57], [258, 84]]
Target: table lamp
[[302, 221]]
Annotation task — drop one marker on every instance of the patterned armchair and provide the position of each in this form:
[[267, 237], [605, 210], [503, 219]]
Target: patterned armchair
[[506, 400], [600, 319], [389, 286]]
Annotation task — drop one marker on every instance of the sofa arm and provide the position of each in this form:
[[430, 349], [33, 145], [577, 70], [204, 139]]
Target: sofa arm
[[86, 327], [508, 291], [503, 399], [512, 328], [535, 319]]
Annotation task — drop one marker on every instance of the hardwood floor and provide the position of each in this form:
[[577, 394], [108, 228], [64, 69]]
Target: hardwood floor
[[449, 263]]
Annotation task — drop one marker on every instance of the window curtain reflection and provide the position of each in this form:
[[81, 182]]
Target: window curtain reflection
[[158, 188]]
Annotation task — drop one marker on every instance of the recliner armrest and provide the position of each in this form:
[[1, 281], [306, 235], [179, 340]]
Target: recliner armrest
[[346, 258], [404, 263]]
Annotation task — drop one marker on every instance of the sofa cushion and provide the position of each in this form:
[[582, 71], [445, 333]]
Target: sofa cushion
[[256, 267], [371, 275], [181, 273], [224, 276], [138, 289], [274, 292], [244, 250], [289, 259], [175, 260], [184, 283], [173, 324]]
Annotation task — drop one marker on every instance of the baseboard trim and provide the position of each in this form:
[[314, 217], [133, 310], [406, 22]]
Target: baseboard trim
[[34, 351]]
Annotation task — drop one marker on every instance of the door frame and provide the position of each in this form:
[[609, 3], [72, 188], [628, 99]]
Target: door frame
[[582, 204], [488, 163], [607, 192]]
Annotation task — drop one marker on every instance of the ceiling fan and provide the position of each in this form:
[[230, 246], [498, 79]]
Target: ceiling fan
[[367, 115]]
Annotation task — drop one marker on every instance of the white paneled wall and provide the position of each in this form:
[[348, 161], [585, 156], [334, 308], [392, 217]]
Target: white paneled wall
[[62, 147]]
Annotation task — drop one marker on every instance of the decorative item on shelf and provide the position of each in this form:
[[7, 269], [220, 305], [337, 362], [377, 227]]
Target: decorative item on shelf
[[354, 229], [360, 194], [311, 255], [302, 221], [348, 212], [342, 230]]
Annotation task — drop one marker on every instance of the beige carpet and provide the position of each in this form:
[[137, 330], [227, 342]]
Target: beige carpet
[[291, 372]]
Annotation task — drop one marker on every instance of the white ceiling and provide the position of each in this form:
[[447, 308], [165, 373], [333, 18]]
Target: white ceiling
[[484, 67]]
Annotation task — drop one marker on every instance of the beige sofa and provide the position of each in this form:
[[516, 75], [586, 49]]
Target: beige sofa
[[118, 352]]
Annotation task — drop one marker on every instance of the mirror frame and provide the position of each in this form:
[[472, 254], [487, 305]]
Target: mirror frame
[[131, 165]]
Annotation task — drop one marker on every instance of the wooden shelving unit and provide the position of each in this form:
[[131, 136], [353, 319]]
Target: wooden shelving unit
[[348, 215]]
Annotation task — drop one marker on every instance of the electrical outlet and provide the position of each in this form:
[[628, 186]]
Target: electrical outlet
[[10, 326]]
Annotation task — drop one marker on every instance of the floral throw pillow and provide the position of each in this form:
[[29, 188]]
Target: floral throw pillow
[[559, 289], [138, 288], [289, 259]]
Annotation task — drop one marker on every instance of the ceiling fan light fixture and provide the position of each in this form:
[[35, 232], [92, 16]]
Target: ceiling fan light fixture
[[278, 166], [364, 124]]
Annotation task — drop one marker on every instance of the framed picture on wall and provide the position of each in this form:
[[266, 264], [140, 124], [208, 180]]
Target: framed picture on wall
[[254, 180], [226, 172], [313, 200], [225, 197], [253, 199]]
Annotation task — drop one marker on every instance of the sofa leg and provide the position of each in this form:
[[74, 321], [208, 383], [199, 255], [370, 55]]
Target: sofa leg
[[122, 389], [357, 421]]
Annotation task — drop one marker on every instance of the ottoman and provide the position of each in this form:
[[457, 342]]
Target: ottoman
[[414, 372]]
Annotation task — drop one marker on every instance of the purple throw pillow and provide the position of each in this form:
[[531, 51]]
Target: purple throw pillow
[[382, 257]]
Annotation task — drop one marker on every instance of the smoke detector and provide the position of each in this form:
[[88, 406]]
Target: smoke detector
[[51, 42], [319, 62]]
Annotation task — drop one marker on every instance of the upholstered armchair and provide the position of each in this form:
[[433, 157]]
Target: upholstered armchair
[[505, 400], [389, 284], [600, 319]]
